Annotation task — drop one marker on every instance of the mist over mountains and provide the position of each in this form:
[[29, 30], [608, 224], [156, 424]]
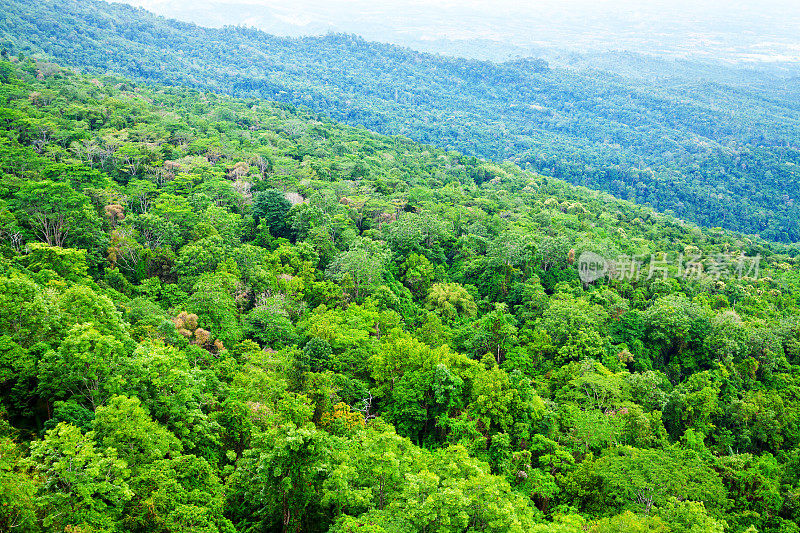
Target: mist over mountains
[[737, 32]]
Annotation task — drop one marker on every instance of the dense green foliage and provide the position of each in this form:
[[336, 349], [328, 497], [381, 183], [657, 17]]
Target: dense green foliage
[[230, 315], [717, 154]]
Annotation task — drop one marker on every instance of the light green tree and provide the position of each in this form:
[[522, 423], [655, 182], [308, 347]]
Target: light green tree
[[363, 266], [82, 486], [87, 366]]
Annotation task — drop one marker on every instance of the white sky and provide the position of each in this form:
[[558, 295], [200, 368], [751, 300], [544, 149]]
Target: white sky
[[719, 8], [734, 28]]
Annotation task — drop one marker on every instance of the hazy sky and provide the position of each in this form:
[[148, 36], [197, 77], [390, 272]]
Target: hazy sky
[[735, 29]]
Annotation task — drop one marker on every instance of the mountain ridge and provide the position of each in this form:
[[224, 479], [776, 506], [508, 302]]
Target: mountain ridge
[[714, 154]]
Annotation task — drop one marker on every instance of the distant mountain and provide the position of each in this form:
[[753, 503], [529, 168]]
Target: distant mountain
[[714, 151], [738, 31]]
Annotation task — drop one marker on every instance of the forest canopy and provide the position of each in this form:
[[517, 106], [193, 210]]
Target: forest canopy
[[718, 153], [222, 314]]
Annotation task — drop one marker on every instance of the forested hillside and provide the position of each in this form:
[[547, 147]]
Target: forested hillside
[[713, 153], [230, 315]]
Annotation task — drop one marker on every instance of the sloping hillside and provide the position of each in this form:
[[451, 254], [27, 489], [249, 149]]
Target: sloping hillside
[[715, 154]]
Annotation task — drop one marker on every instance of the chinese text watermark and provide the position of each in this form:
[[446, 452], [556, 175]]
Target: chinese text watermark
[[593, 266]]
